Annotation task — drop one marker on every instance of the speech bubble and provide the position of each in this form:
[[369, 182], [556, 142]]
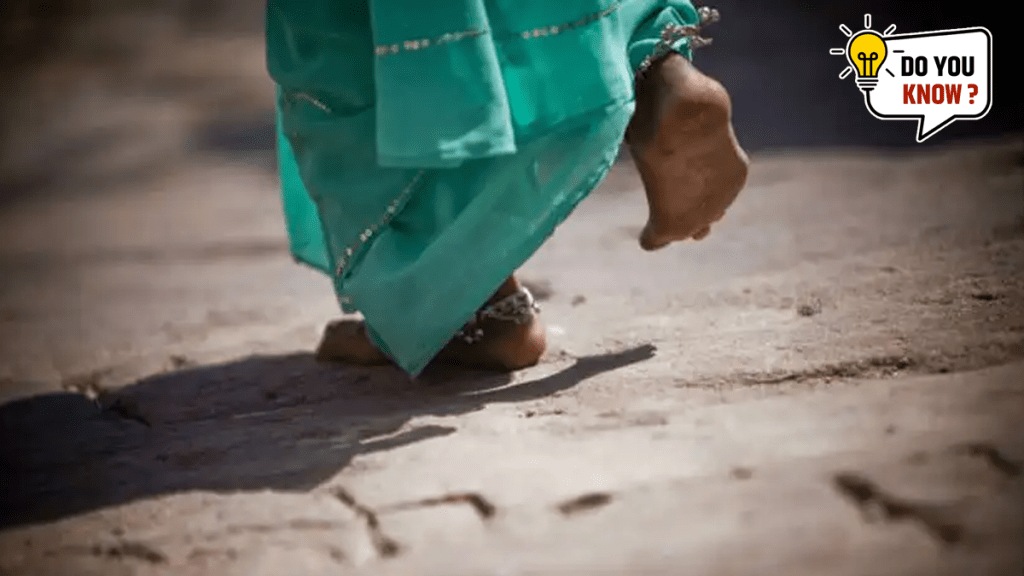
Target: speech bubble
[[935, 78]]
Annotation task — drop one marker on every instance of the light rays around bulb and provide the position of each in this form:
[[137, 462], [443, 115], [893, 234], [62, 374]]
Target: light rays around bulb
[[849, 33]]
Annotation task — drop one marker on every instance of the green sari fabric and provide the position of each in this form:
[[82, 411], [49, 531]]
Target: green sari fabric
[[428, 149]]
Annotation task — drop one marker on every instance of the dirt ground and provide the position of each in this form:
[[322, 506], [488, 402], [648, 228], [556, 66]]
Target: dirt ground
[[831, 384]]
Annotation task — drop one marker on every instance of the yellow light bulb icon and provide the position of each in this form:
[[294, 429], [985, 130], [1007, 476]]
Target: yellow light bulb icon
[[866, 53]]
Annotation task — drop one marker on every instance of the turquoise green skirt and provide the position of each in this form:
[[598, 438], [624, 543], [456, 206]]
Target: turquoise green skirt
[[428, 149]]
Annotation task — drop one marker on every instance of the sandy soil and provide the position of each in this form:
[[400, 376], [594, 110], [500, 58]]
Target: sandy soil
[[831, 383]]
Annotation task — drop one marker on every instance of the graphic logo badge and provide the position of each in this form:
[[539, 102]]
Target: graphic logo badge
[[934, 77]]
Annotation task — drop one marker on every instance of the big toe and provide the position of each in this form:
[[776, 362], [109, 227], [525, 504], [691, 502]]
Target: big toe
[[652, 239]]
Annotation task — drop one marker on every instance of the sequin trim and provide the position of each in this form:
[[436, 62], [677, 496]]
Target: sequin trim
[[370, 232], [545, 31], [306, 97], [669, 35], [541, 32], [420, 44]]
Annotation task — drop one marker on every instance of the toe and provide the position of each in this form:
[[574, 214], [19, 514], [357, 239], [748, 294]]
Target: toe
[[651, 239]]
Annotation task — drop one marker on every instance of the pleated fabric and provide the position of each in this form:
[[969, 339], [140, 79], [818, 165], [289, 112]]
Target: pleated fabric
[[428, 149]]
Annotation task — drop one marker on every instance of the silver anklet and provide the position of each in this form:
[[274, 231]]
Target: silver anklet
[[518, 307], [672, 33]]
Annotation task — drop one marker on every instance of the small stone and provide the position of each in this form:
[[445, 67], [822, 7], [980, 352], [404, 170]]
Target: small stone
[[809, 309], [742, 473], [179, 361]]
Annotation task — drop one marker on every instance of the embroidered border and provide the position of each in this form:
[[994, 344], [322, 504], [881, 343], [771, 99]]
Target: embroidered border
[[420, 44], [545, 31], [306, 97], [368, 233], [450, 37]]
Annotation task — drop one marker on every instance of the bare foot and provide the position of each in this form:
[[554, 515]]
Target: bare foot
[[346, 341], [504, 346], [682, 140]]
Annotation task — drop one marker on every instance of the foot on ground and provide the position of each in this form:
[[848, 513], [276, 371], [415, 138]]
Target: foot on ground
[[504, 346], [346, 341]]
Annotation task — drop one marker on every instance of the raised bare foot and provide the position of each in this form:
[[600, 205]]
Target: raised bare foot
[[501, 344], [689, 160]]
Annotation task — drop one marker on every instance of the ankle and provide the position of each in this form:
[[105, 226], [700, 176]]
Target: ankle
[[704, 98], [518, 346], [509, 287]]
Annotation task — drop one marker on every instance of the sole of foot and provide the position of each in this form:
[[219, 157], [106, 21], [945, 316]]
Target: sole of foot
[[690, 162]]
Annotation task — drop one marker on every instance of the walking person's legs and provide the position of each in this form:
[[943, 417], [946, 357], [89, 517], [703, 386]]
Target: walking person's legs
[[692, 169], [424, 160]]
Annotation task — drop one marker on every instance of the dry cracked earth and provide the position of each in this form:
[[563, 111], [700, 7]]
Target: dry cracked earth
[[831, 384]]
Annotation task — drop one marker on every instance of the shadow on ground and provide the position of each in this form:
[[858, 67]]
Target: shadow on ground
[[267, 422]]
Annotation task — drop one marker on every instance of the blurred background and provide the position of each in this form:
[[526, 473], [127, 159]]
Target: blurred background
[[139, 207], [100, 94]]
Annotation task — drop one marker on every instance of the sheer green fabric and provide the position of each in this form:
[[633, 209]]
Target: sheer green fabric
[[428, 149]]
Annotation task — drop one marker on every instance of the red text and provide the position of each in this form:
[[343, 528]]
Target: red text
[[931, 93]]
